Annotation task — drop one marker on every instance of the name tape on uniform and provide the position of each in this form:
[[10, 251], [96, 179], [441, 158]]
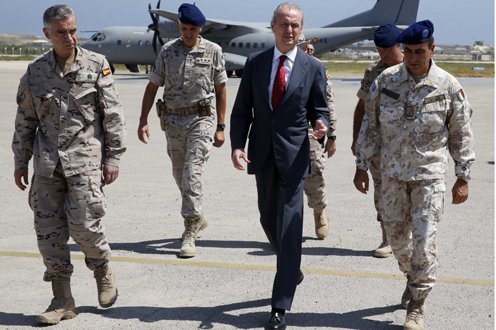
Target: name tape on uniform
[[201, 60], [389, 93], [434, 98], [86, 77]]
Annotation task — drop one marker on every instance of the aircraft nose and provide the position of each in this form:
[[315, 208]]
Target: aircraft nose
[[89, 45]]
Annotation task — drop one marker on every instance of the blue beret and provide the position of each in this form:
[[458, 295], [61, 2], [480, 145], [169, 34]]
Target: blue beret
[[385, 36], [190, 14], [417, 33]]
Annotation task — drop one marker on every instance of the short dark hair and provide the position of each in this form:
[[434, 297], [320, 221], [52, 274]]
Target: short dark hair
[[430, 42], [56, 12]]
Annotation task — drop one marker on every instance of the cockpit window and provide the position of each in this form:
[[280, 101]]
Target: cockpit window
[[98, 36]]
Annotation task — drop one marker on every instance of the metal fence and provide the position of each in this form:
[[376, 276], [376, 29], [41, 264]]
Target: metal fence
[[21, 50]]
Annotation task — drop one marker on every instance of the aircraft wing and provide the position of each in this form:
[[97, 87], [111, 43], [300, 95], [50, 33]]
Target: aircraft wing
[[216, 23], [234, 61]]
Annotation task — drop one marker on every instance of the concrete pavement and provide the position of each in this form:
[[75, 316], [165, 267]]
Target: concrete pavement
[[228, 285]]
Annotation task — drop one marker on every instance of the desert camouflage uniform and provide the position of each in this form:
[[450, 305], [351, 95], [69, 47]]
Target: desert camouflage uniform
[[371, 73], [72, 124], [189, 76], [314, 185], [417, 126]]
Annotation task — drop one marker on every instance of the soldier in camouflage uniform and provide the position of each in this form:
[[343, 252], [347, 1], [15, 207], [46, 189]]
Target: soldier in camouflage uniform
[[418, 113], [314, 185], [70, 119], [389, 51], [192, 72]]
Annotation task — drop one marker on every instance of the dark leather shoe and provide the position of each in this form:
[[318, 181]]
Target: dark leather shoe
[[300, 278], [277, 321]]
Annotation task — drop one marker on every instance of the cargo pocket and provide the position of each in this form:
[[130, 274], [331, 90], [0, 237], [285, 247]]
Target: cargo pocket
[[42, 104], [432, 116], [86, 104]]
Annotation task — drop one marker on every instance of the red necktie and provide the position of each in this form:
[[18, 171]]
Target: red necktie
[[279, 83]]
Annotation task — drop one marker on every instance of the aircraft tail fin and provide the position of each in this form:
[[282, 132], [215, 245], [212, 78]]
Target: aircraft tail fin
[[398, 12]]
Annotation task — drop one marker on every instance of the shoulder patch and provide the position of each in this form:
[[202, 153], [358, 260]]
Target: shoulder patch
[[461, 95], [327, 75], [20, 97], [106, 72]]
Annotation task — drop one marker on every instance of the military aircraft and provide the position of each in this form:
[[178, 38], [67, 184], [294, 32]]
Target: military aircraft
[[134, 46]]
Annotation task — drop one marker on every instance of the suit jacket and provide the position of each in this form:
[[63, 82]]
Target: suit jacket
[[287, 128]]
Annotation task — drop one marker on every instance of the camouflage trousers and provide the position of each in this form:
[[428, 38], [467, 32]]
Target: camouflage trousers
[[375, 171], [412, 210], [314, 185], [188, 147], [69, 206]]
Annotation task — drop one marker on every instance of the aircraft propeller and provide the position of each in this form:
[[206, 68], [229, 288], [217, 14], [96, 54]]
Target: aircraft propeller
[[154, 28]]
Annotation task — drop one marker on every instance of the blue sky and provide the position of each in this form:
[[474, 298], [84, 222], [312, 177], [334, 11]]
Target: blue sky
[[456, 21]]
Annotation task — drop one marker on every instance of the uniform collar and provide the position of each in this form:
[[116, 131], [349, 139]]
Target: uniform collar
[[199, 48], [75, 66], [381, 66], [429, 80]]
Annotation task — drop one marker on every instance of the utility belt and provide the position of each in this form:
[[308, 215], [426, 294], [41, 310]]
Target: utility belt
[[202, 108], [183, 111]]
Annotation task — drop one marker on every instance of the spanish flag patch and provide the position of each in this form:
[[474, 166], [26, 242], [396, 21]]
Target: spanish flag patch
[[106, 72], [461, 95]]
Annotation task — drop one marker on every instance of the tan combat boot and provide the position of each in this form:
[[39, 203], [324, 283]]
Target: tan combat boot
[[321, 224], [192, 227], [384, 250], [415, 315], [407, 296], [106, 286], [204, 224], [62, 306]]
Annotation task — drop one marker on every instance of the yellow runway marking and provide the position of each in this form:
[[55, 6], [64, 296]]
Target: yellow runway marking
[[252, 267]]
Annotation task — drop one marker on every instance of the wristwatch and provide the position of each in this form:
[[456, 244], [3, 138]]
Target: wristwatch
[[221, 126], [332, 137]]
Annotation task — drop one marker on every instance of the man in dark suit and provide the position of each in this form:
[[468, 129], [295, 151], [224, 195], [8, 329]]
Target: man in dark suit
[[281, 89]]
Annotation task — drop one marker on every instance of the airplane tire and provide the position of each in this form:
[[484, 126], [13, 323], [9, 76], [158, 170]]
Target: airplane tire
[[112, 68], [229, 73], [239, 73]]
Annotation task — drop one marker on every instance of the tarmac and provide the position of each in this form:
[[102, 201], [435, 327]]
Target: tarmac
[[228, 284]]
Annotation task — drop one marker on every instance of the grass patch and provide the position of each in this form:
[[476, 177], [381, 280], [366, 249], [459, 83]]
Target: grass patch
[[348, 68], [456, 69], [465, 69], [18, 58]]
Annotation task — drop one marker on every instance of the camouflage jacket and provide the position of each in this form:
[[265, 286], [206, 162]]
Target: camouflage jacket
[[75, 118], [417, 125], [188, 75], [373, 71]]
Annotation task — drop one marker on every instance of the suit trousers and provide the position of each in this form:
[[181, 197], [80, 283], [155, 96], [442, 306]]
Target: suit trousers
[[280, 202]]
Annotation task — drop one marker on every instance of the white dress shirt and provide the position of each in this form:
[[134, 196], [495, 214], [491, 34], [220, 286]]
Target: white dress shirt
[[288, 68]]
